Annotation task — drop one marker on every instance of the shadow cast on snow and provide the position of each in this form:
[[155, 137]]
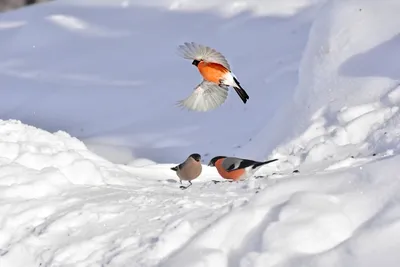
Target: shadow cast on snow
[[376, 62]]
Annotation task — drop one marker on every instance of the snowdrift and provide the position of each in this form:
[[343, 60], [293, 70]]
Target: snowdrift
[[62, 205], [346, 102]]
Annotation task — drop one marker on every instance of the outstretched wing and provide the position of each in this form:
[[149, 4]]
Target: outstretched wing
[[206, 96], [201, 52]]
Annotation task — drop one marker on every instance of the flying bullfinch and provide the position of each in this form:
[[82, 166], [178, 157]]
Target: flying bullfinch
[[217, 77], [236, 168], [188, 170]]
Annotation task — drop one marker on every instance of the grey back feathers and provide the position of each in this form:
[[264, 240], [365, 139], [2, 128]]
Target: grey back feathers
[[231, 163]]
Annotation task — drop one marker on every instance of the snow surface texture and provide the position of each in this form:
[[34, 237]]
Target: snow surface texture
[[347, 99], [62, 205]]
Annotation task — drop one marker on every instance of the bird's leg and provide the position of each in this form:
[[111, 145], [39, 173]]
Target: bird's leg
[[185, 187], [180, 181], [182, 186]]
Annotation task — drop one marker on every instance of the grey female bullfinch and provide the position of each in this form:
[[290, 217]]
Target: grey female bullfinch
[[189, 170]]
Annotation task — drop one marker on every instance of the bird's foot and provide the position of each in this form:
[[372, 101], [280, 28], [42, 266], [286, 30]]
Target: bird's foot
[[222, 84]]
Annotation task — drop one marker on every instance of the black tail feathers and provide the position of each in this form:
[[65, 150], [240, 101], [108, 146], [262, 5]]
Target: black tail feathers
[[240, 91], [263, 163], [174, 168]]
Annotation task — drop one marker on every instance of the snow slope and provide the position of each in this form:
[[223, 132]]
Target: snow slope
[[343, 211], [324, 101], [109, 82], [346, 102]]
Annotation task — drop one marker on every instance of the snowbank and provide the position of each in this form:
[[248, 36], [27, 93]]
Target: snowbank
[[64, 160], [342, 210], [346, 102], [61, 205]]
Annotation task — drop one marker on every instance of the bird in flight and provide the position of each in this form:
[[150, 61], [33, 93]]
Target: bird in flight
[[217, 77]]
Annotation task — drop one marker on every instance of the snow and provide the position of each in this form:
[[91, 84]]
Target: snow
[[89, 130], [318, 220], [118, 69]]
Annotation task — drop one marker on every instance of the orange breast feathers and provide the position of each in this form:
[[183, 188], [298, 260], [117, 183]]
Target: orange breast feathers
[[212, 72], [233, 175]]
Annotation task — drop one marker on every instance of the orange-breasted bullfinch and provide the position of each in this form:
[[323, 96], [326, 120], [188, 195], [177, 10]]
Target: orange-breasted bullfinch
[[189, 170], [217, 77], [236, 168]]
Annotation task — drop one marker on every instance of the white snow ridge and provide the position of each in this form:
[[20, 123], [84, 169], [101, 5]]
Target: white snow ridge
[[89, 131]]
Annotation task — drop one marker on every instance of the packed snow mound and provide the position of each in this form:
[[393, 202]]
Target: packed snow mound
[[347, 101], [61, 205], [56, 160]]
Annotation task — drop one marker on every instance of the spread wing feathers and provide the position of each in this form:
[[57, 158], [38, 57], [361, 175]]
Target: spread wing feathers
[[232, 163], [201, 52], [206, 96]]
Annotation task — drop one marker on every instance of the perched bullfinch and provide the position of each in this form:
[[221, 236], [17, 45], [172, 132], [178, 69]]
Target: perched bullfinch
[[236, 168], [188, 170], [217, 77]]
